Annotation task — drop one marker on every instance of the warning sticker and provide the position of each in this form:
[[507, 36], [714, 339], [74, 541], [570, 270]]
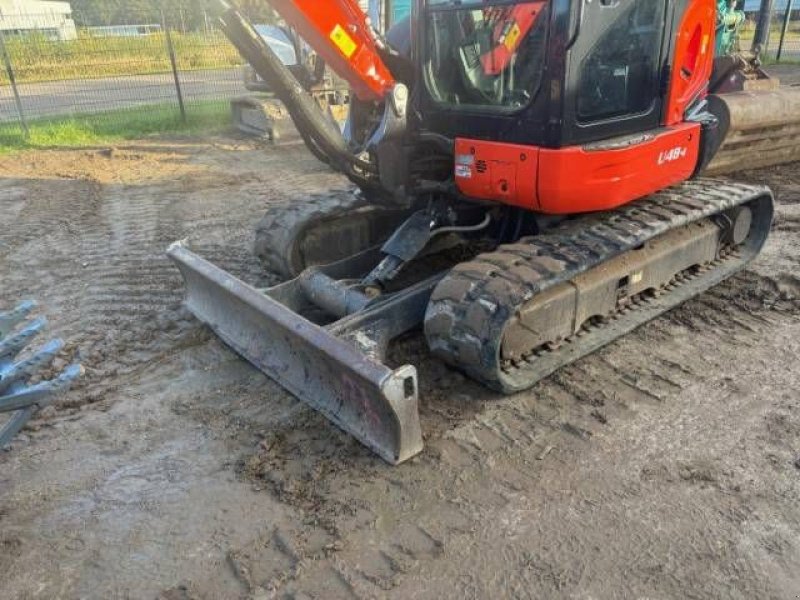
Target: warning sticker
[[512, 37], [463, 172], [343, 41]]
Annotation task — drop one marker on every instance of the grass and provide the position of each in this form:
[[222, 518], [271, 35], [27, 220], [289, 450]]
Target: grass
[[37, 59], [115, 126], [772, 60]]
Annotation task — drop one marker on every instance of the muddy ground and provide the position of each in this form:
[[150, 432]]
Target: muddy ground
[[665, 466]]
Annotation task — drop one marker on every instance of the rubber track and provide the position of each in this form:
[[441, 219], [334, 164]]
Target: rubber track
[[281, 227], [472, 306]]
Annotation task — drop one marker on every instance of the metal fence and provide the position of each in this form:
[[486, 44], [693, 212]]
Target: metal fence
[[56, 69], [784, 42], [784, 38]]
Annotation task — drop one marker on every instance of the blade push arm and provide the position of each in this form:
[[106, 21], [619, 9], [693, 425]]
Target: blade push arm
[[338, 31]]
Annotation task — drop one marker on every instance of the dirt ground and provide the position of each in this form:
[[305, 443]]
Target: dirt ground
[[665, 466]]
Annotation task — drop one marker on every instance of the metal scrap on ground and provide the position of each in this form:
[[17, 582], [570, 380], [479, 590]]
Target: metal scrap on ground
[[19, 394]]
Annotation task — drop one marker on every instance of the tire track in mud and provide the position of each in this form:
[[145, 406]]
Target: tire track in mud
[[32, 210], [103, 243], [135, 292]]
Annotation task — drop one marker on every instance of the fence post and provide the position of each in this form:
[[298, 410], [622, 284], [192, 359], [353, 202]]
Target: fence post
[[174, 63], [12, 78], [763, 28], [786, 20]]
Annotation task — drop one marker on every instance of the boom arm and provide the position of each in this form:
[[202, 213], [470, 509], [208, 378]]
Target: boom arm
[[339, 32]]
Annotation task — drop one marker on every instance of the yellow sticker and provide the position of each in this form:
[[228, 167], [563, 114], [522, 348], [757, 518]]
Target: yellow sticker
[[343, 41], [512, 37], [706, 39]]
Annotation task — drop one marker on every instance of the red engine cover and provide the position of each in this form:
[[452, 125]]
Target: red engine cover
[[586, 179], [494, 171], [577, 179]]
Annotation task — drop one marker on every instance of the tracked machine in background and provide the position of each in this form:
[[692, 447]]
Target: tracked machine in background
[[528, 190], [760, 119], [262, 114]]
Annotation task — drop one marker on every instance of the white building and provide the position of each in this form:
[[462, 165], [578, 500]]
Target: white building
[[51, 19]]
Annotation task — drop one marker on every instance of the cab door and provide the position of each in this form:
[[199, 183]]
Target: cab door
[[614, 70]]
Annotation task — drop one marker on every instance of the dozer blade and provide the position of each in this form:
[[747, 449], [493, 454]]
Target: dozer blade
[[763, 129], [319, 365]]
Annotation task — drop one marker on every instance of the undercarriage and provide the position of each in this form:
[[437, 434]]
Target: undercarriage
[[505, 314]]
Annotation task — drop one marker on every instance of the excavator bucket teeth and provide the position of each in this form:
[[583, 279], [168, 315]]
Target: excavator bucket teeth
[[19, 398], [374, 403]]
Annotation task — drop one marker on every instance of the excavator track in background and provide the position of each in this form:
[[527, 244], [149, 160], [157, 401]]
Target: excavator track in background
[[763, 129], [513, 316], [263, 116]]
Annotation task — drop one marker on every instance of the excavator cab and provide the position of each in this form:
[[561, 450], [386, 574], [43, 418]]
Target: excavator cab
[[606, 97], [486, 57], [598, 69]]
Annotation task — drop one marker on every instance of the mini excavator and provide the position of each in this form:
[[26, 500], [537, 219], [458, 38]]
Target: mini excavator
[[527, 186]]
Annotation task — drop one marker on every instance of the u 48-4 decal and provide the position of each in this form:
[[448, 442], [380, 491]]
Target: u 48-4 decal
[[668, 156]]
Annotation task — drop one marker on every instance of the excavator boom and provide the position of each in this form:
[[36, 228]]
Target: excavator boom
[[340, 33]]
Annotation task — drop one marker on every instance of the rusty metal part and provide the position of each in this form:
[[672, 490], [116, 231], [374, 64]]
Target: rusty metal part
[[20, 398], [741, 72], [504, 317], [563, 310], [338, 368], [764, 129]]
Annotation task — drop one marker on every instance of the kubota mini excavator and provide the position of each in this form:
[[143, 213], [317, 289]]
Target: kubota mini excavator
[[528, 191]]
